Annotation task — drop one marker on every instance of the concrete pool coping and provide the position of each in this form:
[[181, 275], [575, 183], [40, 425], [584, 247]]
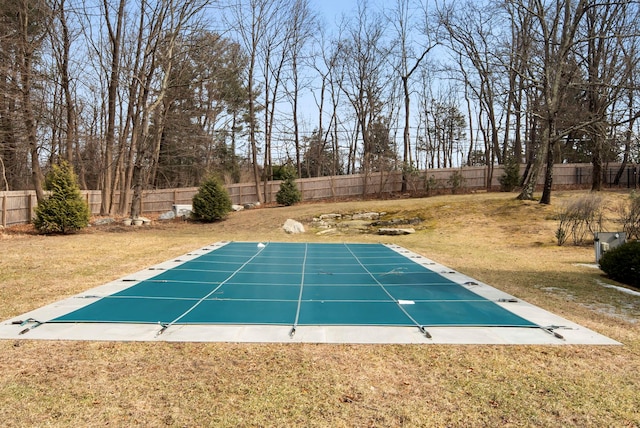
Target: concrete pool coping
[[554, 330]]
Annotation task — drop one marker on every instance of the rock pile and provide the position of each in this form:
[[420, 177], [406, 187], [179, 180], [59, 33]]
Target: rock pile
[[366, 222]]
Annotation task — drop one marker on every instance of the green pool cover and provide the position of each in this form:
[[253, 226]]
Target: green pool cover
[[298, 284]]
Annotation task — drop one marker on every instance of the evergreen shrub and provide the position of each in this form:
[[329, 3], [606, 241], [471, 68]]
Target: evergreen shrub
[[623, 263], [64, 210], [288, 193], [510, 179], [456, 181], [431, 185], [211, 202]]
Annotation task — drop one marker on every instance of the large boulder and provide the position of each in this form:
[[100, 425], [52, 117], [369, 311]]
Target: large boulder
[[292, 226], [251, 205], [104, 221], [168, 215]]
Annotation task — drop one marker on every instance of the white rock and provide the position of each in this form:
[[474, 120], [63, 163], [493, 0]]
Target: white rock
[[169, 215], [330, 216], [366, 216], [327, 232], [292, 226], [145, 220], [235, 207], [101, 221]]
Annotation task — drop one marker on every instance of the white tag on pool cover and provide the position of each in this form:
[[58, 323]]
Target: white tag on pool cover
[[406, 302]]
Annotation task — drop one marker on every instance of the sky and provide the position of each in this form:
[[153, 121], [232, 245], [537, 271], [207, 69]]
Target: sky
[[332, 9]]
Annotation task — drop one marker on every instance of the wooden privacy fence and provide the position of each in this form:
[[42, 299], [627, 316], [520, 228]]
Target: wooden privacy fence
[[17, 207]]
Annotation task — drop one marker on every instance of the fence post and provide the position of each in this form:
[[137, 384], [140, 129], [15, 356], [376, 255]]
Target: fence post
[[485, 179], [4, 210], [30, 207]]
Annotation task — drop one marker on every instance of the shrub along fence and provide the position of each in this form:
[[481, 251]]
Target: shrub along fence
[[17, 207]]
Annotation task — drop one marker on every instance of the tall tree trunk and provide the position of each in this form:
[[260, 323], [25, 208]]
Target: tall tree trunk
[[26, 51], [627, 149], [471, 130], [406, 149], [252, 130], [596, 157], [30, 129], [538, 158], [548, 177], [115, 38], [296, 126]]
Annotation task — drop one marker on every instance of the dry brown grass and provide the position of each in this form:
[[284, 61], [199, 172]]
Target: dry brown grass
[[492, 237]]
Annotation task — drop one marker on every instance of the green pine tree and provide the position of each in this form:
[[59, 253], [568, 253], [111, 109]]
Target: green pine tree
[[288, 193], [212, 202], [64, 210], [511, 177]]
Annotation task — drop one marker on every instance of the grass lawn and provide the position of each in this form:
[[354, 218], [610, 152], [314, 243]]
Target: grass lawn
[[506, 243]]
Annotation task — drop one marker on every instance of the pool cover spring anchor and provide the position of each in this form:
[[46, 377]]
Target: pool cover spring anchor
[[163, 326], [551, 330], [33, 321], [424, 331], [292, 332]]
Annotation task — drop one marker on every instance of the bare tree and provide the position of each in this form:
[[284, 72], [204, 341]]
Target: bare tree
[[473, 34], [274, 53], [409, 59], [14, 152], [115, 33], [607, 32], [61, 39], [631, 64], [304, 24], [168, 23], [363, 60], [555, 33], [325, 62], [251, 21], [518, 56]]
